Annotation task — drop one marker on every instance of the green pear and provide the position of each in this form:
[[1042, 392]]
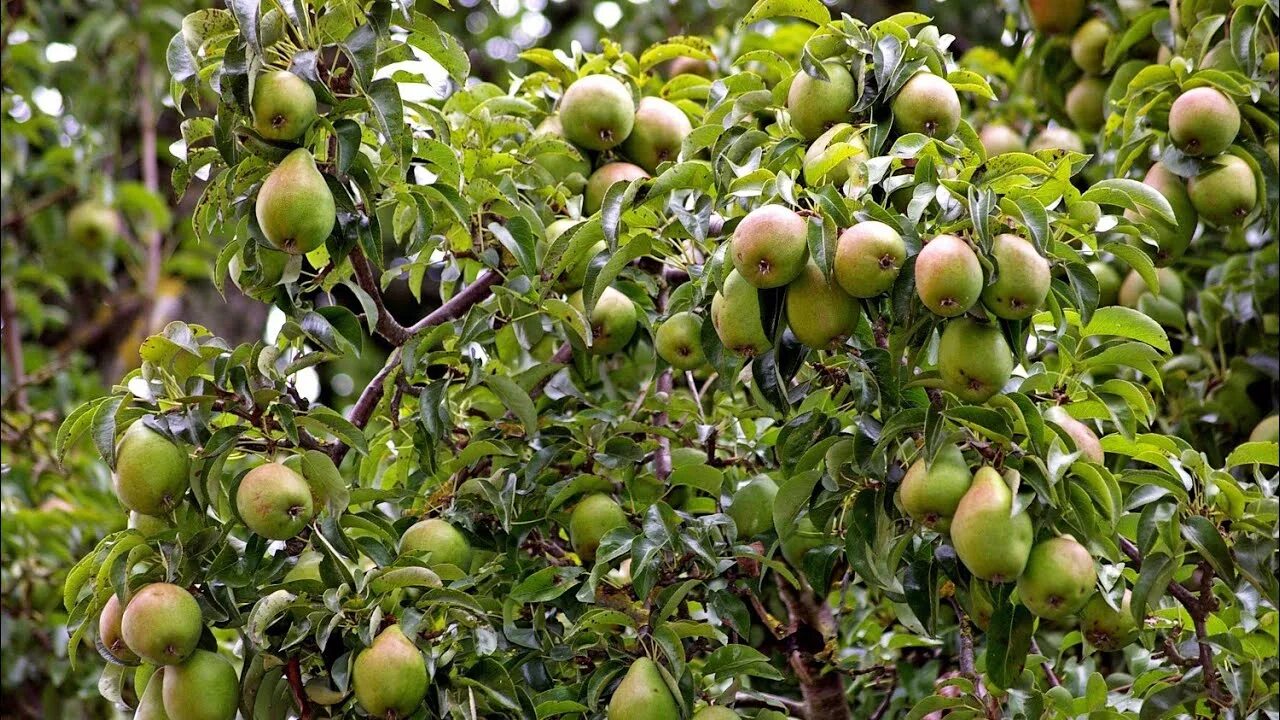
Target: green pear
[[1108, 282], [989, 539], [685, 65], [819, 312], [205, 687], [1135, 288], [569, 168], [1058, 579], [1086, 439], [927, 104], [274, 501], [930, 492], [1086, 104], [1089, 45], [613, 321], [110, 634], [752, 506], [445, 543], [1203, 121], [1272, 147], [974, 360], [658, 133], [162, 624], [735, 313], [151, 704], [1107, 628], [592, 518], [92, 225], [1053, 17], [151, 473], [869, 256], [305, 568], [1057, 138], [1267, 430], [642, 695], [948, 276], [716, 712], [295, 208], [1226, 193], [822, 163], [284, 106], [799, 540], [678, 340], [597, 112], [1022, 279], [1173, 238], [815, 104], [604, 178], [390, 676], [998, 138], [770, 246]]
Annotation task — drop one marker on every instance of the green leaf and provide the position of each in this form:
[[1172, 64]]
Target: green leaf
[[1131, 195], [1205, 538], [1127, 322], [327, 484], [737, 660], [547, 584], [812, 10], [322, 419], [1255, 453], [1008, 642], [516, 400], [441, 46], [265, 612]]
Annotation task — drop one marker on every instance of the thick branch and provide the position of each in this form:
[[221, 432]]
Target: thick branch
[[368, 402], [459, 304], [20, 216], [662, 458], [562, 356], [811, 624], [149, 163], [386, 326], [13, 346], [293, 672]]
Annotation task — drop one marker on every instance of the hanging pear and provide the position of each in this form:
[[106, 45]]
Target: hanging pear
[[295, 208], [390, 675], [643, 695], [989, 539]]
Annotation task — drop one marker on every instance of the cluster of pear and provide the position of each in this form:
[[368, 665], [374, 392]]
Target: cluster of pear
[[162, 624], [1055, 576]]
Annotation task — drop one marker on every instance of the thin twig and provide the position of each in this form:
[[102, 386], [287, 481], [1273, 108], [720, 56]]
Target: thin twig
[[13, 347], [149, 164], [459, 304], [293, 671], [386, 325], [47, 200], [1049, 674], [752, 698]]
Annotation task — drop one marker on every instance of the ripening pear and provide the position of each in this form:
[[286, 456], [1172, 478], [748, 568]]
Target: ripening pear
[[205, 687], [948, 276], [109, 632], [151, 472], [819, 312], [642, 695], [597, 112], [930, 492], [659, 130], [151, 704], [815, 105], [1203, 121], [295, 207], [716, 712], [1226, 193], [1086, 104], [752, 506], [1082, 435], [998, 138], [592, 518], [685, 65], [162, 623], [1022, 279], [974, 359], [927, 104], [1053, 17], [613, 321], [284, 106], [604, 178], [770, 246], [678, 340], [1058, 578], [390, 677], [735, 313], [989, 539], [1267, 430], [1107, 628], [445, 543], [92, 225], [1135, 288], [1089, 45], [821, 161], [1108, 282], [568, 167], [869, 256], [1173, 238], [1057, 138], [274, 501]]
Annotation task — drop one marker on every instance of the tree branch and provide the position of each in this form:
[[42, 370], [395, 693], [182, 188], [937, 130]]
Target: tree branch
[[293, 672], [811, 623], [149, 164], [1049, 674], [662, 458], [13, 347], [20, 216], [367, 403], [386, 326], [459, 304]]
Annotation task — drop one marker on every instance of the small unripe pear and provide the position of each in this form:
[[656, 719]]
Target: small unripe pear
[[445, 543], [1134, 288], [284, 106], [927, 104], [151, 472], [819, 312], [1108, 282], [998, 138], [1267, 430], [1053, 17], [1086, 104], [659, 130], [716, 712], [797, 541], [597, 112], [93, 225], [295, 208], [752, 506], [948, 276], [274, 501], [1057, 138], [1226, 193], [974, 359], [613, 321], [1058, 579], [592, 518], [1022, 279], [1089, 45], [735, 313], [815, 105], [604, 178], [1203, 121], [205, 687], [1082, 435], [390, 677], [869, 256], [989, 539], [1107, 628], [678, 340], [770, 246], [109, 632], [931, 492], [642, 695], [162, 624]]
